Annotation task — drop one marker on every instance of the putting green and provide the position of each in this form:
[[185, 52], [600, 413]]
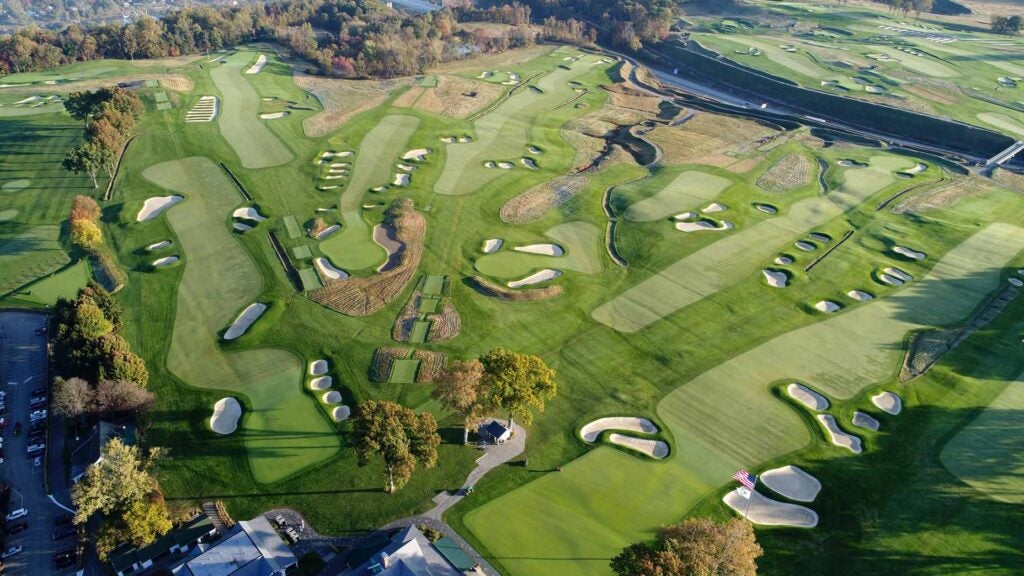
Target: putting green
[[580, 240], [284, 431], [1003, 122], [256, 145], [726, 419], [352, 248], [989, 453], [32, 254], [688, 191]]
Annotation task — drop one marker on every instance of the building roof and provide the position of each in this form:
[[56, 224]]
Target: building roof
[[454, 553], [254, 549], [495, 429], [196, 528], [408, 554]]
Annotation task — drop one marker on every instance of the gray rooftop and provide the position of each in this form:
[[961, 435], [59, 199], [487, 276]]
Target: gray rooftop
[[255, 549]]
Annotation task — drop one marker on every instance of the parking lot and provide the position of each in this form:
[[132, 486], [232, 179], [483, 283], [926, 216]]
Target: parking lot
[[23, 379]]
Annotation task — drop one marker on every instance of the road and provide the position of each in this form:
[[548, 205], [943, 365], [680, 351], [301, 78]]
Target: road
[[23, 368]]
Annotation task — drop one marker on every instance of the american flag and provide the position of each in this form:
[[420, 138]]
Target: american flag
[[745, 478]]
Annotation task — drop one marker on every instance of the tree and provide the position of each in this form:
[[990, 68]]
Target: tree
[[72, 398], [84, 208], [82, 105], [516, 382], [921, 6], [121, 397], [458, 390], [91, 324], [86, 234], [144, 521], [89, 158], [697, 546], [119, 479], [396, 434], [1007, 25]]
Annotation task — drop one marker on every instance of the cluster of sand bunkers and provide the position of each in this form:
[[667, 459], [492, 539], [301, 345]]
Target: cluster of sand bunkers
[[36, 101], [320, 383], [493, 245], [151, 209], [334, 169], [699, 222], [204, 110], [657, 449], [246, 218]]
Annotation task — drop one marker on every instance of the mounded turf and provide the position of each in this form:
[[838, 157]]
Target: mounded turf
[[689, 191], [580, 240], [283, 430]]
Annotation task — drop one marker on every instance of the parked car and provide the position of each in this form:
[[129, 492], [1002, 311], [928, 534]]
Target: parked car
[[17, 528], [37, 403], [35, 450], [11, 551], [62, 532], [37, 415], [15, 514], [37, 426]]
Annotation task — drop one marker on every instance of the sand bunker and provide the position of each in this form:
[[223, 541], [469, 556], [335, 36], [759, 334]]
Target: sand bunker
[[851, 163], [343, 165], [860, 295], [257, 67], [448, 139], [543, 249], [156, 205], [379, 189], [332, 154], [226, 413], [792, 482], [529, 163], [686, 216], [703, 226], [714, 207], [249, 213], [406, 167], [913, 254], [165, 261], [419, 154], [897, 273], [776, 278], [891, 280], [318, 367], [341, 413], [819, 237], [839, 438], [805, 246], [767, 512], [158, 245], [332, 397], [917, 169], [400, 180], [783, 260], [328, 270], [251, 313], [490, 164], [328, 231], [807, 397], [827, 306], [766, 208], [866, 421], [321, 383], [274, 115], [888, 402], [492, 245], [654, 448], [1016, 282], [241, 227], [506, 165], [592, 430], [534, 150], [536, 278]]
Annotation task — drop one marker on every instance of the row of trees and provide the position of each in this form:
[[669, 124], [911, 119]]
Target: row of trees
[[698, 546], [79, 401], [110, 116], [903, 7]]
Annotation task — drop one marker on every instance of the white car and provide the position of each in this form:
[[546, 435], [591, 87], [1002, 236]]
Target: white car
[[15, 514], [11, 551]]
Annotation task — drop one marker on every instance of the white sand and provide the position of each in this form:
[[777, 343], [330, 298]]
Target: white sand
[[904, 251], [860, 295], [448, 139], [321, 383], [775, 278], [819, 237], [332, 397], [783, 260], [534, 150], [1016, 282], [490, 164], [492, 245], [165, 261], [249, 213], [805, 246], [827, 306], [807, 397], [341, 413], [590, 431], [257, 67], [226, 413], [328, 231], [419, 154], [406, 167], [337, 171], [866, 421], [318, 367], [536, 278], [156, 205], [158, 245], [328, 270], [340, 165], [331, 187], [686, 216], [840, 438], [888, 402], [273, 115], [506, 165], [767, 512], [891, 280], [400, 180], [241, 227], [465, 139], [714, 207], [342, 154], [251, 313], [543, 249], [792, 482], [29, 99], [897, 273], [529, 163], [657, 449], [917, 169], [703, 226], [766, 208], [379, 189]]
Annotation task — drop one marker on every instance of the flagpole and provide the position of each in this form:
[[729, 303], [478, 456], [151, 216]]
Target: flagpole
[[753, 489]]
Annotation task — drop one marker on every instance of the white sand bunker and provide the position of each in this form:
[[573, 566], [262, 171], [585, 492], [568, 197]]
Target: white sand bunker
[[328, 231], [418, 155], [792, 482], [506, 165], [897, 273], [703, 225], [686, 216], [714, 207], [805, 246], [249, 213], [529, 163], [913, 254], [592, 430], [341, 413], [226, 413], [328, 270], [866, 421], [274, 115], [165, 261], [1016, 282], [490, 164], [767, 512], [332, 397], [534, 150], [766, 208], [448, 139], [543, 249], [333, 154], [783, 260], [251, 313], [860, 295], [241, 227], [318, 367], [321, 383], [654, 448], [406, 167], [158, 245], [819, 237], [890, 280], [257, 67], [536, 278], [917, 169], [400, 180], [776, 278], [888, 402], [839, 438], [807, 397], [340, 165], [156, 205], [465, 139], [827, 306], [492, 245]]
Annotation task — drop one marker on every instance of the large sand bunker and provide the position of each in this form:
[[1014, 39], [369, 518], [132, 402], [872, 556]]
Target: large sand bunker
[[792, 482], [840, 438], [888, 402], [827, 306], [249, 213], [341, 413], [657, 449], [807, 397], [156, 205], [703, 225], [251, 313], [226, 413], [274, 115], [318, 367], [418, 155], [257, 66], [860, 295], [776, 278], [328, 270], [592, 430], [536, 278], [767, 512], [866, 421], [491, 245], [542, 249], [332, 397], [321, 383], [909, 253]]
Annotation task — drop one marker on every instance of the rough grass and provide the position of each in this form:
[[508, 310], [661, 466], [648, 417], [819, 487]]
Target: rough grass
[[789, 173], [342, 99], [707, 135], [31, 254], [458, 97], [446, 324], [690, 190], [494, 290]]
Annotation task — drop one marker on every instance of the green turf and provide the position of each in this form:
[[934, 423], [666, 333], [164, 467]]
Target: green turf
[[31, 254], [428, 81], [433, 285], [310, 279], [62, 284], [160, 96], [292, 226], [420, 329], [164, 106], [580, 240], [302, 252], [403, 371], [688, 191], [1004, 123], [429, 305]]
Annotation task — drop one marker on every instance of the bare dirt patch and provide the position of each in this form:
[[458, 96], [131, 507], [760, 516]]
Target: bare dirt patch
[[536, 201]]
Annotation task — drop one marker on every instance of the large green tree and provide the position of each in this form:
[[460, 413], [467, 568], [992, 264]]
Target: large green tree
[[399, 436], [516, 383], [458, 389], [694, 547]]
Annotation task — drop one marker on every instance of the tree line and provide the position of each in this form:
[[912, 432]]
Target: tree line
[[109, 116]]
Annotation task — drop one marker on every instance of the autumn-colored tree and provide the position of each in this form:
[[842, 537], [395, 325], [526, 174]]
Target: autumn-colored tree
[[396, 434], [72, 398], [697, 547], [89, 158], [86, 234], [516, 383], [114, 397], [91, 322], [458, 390], [84, 208]]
